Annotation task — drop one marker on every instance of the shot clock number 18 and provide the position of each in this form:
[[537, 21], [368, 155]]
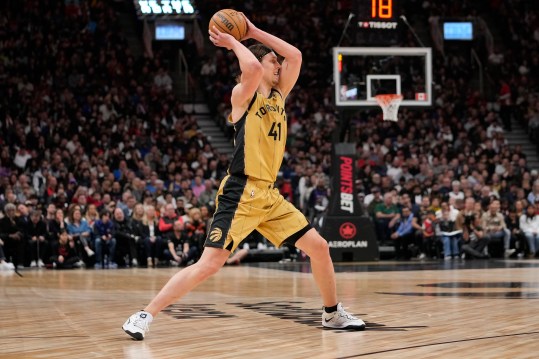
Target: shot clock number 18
[[381, 15], [382, 9]]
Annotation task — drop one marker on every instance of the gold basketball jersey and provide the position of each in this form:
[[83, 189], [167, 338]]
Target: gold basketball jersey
[[260, 138]]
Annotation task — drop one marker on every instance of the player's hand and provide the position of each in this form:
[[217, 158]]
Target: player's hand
[[250, 28], [221, 39]]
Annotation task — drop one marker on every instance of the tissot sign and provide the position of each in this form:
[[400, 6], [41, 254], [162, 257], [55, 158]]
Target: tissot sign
[[349, 233]]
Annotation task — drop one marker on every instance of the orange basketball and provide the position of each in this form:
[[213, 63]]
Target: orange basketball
[[229, 21]]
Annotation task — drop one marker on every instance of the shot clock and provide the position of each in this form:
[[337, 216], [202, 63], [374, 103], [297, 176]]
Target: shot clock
[[377, 14]]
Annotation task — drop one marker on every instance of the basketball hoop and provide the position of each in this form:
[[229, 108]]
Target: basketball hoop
[[390, 105]]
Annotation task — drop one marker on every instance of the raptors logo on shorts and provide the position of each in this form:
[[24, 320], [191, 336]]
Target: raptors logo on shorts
[[216, 235]]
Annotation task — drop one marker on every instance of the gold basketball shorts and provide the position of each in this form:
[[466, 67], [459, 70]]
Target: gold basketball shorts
[[243, 205]]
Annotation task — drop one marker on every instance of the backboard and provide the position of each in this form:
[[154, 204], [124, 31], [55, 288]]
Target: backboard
[[360, 73]]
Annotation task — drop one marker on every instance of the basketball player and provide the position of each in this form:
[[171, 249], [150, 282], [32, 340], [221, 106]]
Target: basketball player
[[247, 199]]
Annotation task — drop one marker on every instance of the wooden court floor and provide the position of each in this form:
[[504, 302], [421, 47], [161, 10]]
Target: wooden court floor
[[412, 310]]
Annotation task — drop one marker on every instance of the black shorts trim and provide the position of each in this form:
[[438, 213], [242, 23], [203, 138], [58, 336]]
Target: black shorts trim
[[294, 238], [227, 204]]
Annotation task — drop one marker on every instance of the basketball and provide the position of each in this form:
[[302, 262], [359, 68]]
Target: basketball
[[231, 22]]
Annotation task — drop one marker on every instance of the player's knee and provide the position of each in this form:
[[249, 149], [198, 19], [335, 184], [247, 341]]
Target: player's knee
[[208, 268], [322, 246], [318, 248]]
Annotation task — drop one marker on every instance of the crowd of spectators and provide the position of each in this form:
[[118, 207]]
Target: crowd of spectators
[[101, 166], [93, 131]]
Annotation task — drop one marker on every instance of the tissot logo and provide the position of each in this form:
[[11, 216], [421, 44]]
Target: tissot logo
[[378, 25], [347, 230]]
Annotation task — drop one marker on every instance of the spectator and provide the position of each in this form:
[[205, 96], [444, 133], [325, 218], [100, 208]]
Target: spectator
[[79, 231], [385, 212], [206, 215], [64, 253], [428, 235], [404, 236], [130, 205], [21, 158], [152, 237], [180, 249], [456, 193], [533, 196], [198, 187], [23, 215], [12, 234], [406, 201], [207, 197], [195, 228], [453, 212], [50, 213], [91, 215], [318, 200], [104, 239], [162, 81], [529, 224], [372, 199], [495, 228], [450, 234], [519, 208], [505, 101], [167, 219], [466, 217], [55, 226], [137, 219], [475, 244], [126, 241], [516, 236], [36, 233]]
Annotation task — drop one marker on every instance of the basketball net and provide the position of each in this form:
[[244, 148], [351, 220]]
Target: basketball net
[[390, 105]]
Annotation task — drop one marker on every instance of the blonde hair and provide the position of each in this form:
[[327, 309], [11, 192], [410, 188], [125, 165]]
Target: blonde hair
[[145, 217], [193, 211]]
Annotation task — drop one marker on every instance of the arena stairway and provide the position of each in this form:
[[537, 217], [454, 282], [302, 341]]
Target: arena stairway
[[209, 127], [128, 23], [518, 136]]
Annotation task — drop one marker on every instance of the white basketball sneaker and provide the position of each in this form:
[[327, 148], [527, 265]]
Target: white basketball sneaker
[[341, 319], [138, 324]]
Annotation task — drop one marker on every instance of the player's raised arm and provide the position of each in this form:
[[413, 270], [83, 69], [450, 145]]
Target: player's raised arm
[[251, 70], [292, 56]]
